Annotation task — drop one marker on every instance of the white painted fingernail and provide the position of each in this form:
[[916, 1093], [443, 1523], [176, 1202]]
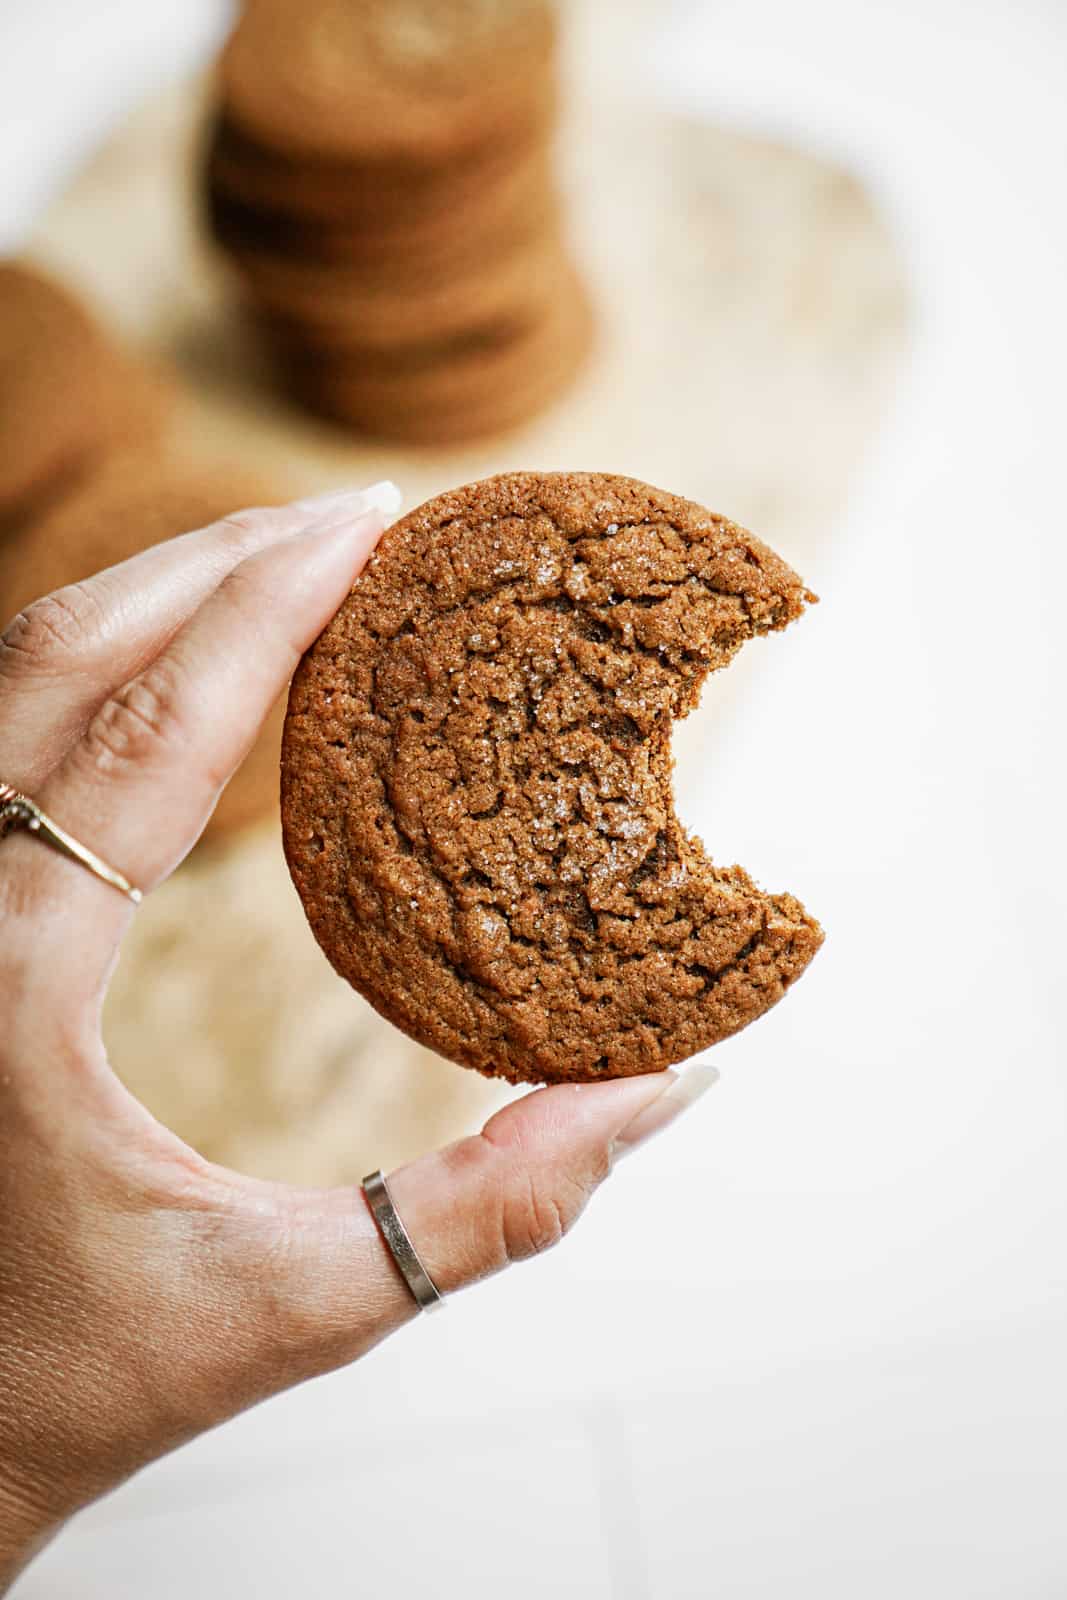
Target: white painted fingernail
[[687, 1087], [384, 497]]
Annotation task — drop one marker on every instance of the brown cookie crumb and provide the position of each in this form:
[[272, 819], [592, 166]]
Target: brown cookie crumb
[[476, 791]]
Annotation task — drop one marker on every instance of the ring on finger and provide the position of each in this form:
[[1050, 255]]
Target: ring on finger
[[398, 1241], [18, 811]]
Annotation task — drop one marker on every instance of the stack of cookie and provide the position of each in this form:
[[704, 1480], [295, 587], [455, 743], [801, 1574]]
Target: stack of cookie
[[89, 476], [131, 503], [381, 175], [70, 399]]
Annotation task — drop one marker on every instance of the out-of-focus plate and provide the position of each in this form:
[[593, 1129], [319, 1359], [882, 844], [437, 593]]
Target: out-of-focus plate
[[752, 315]]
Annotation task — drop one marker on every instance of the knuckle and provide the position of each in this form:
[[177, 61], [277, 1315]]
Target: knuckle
[[245, 588], [138, 725], [239, 525], [535, 1215], [244, 533], [251, 591], [52, 630], [531, 1207]]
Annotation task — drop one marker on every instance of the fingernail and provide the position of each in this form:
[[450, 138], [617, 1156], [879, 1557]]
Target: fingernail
[[686, 1088], [384, 497]]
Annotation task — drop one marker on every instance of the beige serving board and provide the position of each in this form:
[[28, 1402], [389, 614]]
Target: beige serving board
[[752, 314]]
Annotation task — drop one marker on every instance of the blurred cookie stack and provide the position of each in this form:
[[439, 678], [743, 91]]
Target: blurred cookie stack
[[89, 476], [70, 399], [381, 175]]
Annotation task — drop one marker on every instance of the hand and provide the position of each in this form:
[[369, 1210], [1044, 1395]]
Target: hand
[[145, 1294]]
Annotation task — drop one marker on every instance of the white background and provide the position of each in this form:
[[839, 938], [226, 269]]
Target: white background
[[812, 1342]]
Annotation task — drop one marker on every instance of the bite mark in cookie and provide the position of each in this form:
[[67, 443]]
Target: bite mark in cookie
[[476, 786]]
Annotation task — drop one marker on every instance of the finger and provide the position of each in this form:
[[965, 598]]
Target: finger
[[510, 1192], [517, 1188], [139, 787], [62, 656], [225, 1290]]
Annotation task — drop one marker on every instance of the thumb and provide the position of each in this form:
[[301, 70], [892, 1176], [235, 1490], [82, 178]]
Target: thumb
[[503, 1195], [516, 1188]]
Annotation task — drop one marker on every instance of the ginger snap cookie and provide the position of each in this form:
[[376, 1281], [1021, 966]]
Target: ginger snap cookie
[[382, 178], [476, 789], [340, 316], [480, 382], [349, 193], [67, 394], [132, 503], [423, 81], [455, 230]]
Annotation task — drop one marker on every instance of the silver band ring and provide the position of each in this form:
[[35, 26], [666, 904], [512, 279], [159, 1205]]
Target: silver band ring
[[18, 811], [427, 1296]]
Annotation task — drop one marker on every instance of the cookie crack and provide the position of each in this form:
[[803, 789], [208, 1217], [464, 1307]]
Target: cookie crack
[[553, 915]]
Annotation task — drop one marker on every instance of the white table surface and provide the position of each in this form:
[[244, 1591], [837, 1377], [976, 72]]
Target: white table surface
[[812, 1343]]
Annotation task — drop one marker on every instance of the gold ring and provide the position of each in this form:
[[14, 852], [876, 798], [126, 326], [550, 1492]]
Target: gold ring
[[18, 811]]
